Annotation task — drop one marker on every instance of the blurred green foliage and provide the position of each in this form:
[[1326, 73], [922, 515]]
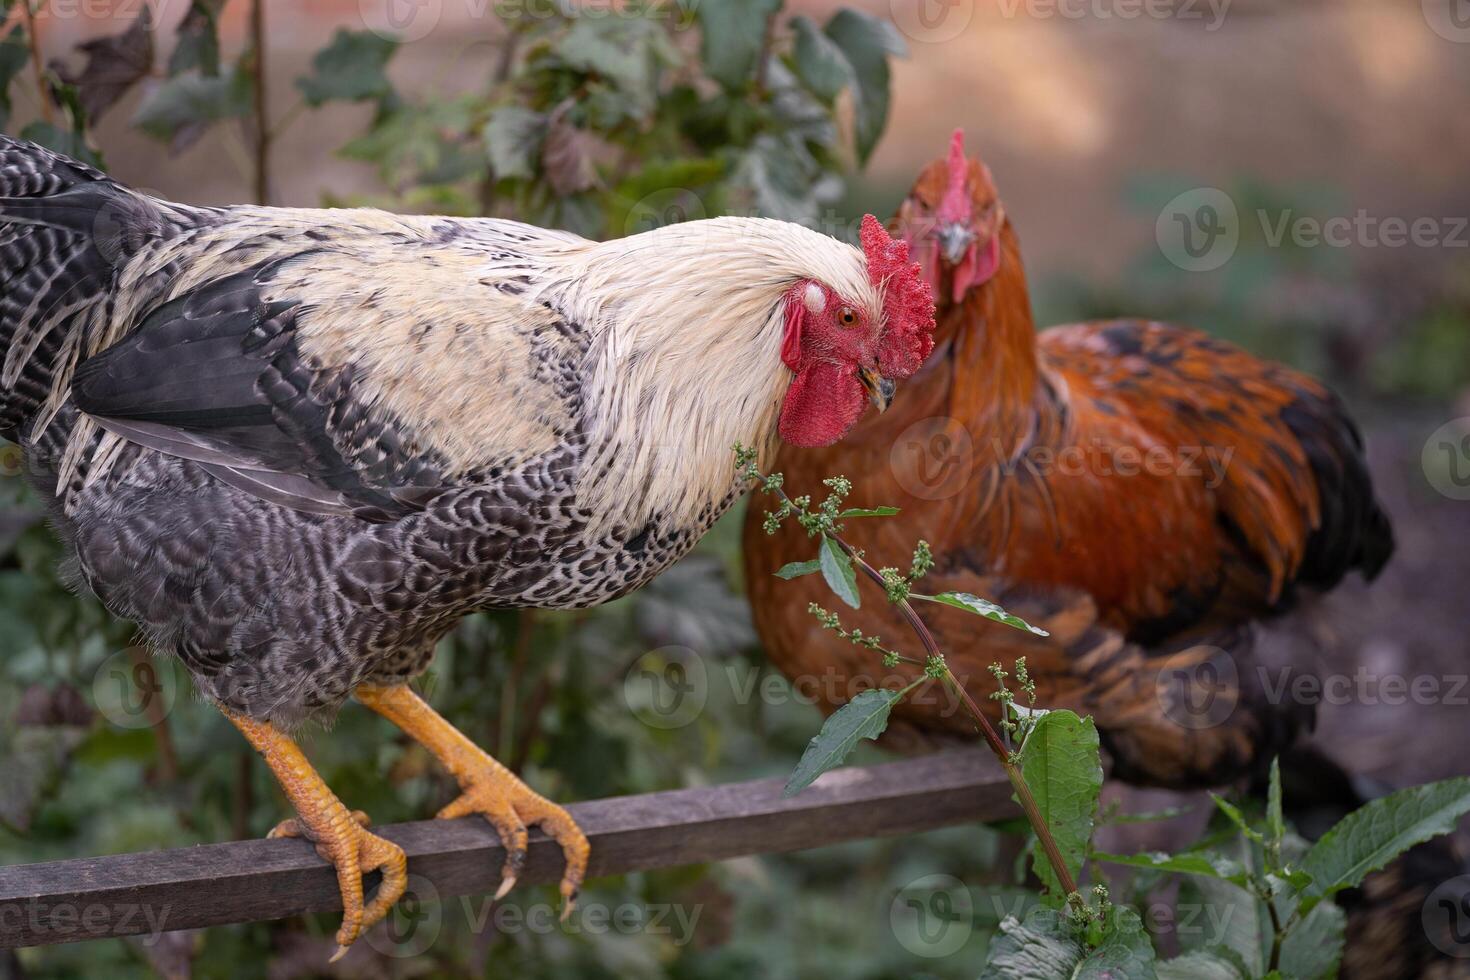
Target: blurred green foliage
[[610, 126]]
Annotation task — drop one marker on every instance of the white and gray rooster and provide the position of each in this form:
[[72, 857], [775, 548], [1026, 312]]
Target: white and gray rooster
[[297, 446]]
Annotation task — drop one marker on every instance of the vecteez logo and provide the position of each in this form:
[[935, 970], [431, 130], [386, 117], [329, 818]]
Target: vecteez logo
[[667, 687], [1199, 230]]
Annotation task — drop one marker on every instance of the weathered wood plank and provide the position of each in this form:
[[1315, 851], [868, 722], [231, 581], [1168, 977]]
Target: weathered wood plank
[[251, 881]]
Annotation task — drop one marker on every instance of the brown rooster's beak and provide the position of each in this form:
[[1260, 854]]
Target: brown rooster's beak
[[880, 389], [954, 241]]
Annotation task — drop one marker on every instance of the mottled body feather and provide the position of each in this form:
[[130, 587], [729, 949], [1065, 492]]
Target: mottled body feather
[[297, 446]]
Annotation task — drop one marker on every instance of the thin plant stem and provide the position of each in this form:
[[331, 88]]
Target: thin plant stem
[[987, 730], [34, 40], [168, 758], [505, 61], [1277, 934], [263, 131], [287, 118], [510, 694]]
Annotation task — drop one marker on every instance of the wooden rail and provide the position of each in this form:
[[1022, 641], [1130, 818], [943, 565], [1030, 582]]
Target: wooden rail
[[257, 880]]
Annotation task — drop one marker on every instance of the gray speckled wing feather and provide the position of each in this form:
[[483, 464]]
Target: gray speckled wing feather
[[230, 375]]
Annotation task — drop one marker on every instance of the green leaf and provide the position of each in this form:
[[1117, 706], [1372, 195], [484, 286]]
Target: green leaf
[[624, 51], [1125, 952], [409, 144], [1201, 863], [670, 178], [35, 757], [350, 69], [1201, 965], [1313, 949], [774, 178], [838, 571], [867, 512], [581, 214], [68, 98], [732, 36], [197, 46], [1376, 833], [182, 108], [981, 607], [1230, 922], [513, 138], [1236, 817], [1275, 822], [865, 716], [867, 43], [1276, 835], [1062, 768], [819, 62], [66, 141], [13, 56], [796, 569], [1040, 947]]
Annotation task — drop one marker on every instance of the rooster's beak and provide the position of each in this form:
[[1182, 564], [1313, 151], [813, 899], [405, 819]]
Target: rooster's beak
[[880, 389], [954, 241]]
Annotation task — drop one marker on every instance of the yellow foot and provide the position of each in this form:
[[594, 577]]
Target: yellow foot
[[511, 806], [353, 851], [294, 828], [339, 834], [489, 789]]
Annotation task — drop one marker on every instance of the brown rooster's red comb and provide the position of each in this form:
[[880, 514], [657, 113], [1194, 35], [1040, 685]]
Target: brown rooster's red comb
[[955, 206], [908, 308]]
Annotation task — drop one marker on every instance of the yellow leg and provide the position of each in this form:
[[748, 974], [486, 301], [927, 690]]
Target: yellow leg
[[339, 833], [489, 789]]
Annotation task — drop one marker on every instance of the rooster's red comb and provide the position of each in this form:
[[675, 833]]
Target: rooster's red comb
[[908, 308], [955, 206]]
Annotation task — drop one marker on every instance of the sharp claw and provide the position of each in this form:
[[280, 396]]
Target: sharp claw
[[510, 809], [353, 854], [349, 931]]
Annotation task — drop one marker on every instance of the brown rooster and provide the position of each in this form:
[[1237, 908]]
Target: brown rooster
[[296, 446], [1141, 490]]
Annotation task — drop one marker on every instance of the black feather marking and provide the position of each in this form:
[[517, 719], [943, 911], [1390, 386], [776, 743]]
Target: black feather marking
[[1354, 532], [66, 230], [215, 376]]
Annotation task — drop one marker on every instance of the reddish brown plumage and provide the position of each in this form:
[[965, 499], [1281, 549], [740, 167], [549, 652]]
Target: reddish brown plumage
[[1144, 491]]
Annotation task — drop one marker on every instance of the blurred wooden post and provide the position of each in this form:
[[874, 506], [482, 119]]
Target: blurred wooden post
[[257, 880]]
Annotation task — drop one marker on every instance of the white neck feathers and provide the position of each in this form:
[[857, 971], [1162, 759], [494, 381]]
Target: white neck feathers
[[685, 359]]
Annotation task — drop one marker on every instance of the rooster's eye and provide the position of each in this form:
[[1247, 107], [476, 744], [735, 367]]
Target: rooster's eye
[[847, 317]]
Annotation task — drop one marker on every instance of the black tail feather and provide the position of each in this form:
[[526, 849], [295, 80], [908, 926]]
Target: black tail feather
[[1353, 532], [65, 231]]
